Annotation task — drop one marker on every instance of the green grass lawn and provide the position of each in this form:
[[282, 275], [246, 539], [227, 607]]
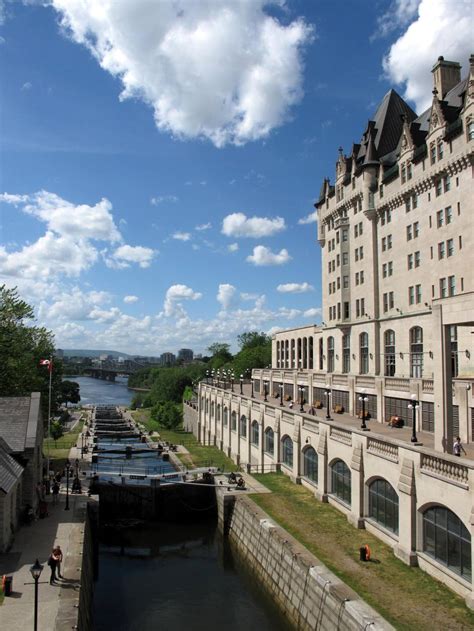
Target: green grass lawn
[[199, 455], [406, 597], [59, 451]]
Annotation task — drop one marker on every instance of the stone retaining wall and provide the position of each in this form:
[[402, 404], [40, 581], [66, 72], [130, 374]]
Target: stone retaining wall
[[307, 593], [190, 418]]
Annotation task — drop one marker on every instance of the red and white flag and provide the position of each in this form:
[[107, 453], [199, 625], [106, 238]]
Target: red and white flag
[[46, 362]]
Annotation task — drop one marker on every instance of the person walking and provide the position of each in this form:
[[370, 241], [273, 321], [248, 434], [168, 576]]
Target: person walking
[[53, 564], [55, 491], [457, 447], [59, 556]]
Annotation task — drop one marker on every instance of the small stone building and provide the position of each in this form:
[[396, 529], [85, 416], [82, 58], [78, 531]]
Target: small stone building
[[10, 495]]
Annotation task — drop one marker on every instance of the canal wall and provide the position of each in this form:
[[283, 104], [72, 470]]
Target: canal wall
[[191, 417], [307, 593], [81, 562]]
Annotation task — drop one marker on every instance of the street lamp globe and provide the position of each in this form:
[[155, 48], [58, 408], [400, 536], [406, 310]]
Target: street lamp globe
[[36, 570]]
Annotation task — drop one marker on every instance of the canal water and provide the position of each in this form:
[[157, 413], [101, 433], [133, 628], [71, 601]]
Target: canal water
[[96, 391], [180, 578]]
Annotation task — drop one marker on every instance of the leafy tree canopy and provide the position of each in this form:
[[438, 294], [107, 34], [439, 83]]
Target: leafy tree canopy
[[70, 392], [22, 345], [252, 339], [167, 414]]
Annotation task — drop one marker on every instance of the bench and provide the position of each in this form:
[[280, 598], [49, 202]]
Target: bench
[[338, 408], [395, 421], [318, 405]]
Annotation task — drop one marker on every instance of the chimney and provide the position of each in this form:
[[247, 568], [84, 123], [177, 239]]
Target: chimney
[[446, 75]]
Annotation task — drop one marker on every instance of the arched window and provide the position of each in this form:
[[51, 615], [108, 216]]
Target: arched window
[[330, 344], [389, 350], [346, 353], [287, 354], [287, 451], [310, 352], [233, 421], [218, 411], [416, 351], [299, 354], [321, 354], [341, 481], [293, 355], [383, 504], [364, 353], [213, 407], [305, 352], [243, 426], [226, 417], [269, 440], [310, 464], [255, 432], [278, 354], [446, 539]]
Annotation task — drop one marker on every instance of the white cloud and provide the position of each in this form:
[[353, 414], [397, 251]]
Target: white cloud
[[239, 225], [295, 288], [233, 247], [311, 218], [445, 28], [227, 295], [204, 226], [399, 14], [26, 86], [226, 71], [126, 254], [174, 295], [130, 299], [181, 236], [289, 314], [264, 256], [312, 313], [160, 199]]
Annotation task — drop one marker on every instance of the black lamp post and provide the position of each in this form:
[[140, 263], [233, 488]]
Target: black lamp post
[[232, 377], [36, 570], [265, 391], [281, 386], [414, 405], [241, 384], [207, 376], [363, 398], [68, 467], [328, 395], [301, 391]]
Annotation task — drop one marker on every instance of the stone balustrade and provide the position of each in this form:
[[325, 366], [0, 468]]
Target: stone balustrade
[[444, 468], [341, 435], [383, 449]]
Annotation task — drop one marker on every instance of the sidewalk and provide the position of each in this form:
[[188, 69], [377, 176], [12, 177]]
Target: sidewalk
[[61, 527]]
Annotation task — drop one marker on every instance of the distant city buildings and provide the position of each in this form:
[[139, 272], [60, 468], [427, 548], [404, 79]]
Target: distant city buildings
[[167, 359], [185, 355]]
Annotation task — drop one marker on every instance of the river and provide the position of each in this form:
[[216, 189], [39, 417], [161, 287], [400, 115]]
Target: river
[[97, 391]]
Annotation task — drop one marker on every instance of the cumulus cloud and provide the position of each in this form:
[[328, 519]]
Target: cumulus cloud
[[124, 255], [204, 226], [311, 218], [239, 225], [233, 247], [312, 313], [264, 256], [226, 71], [160, 199], [130, 299], [175, 294], [399, 14], [26, 86], [295, 288], [445, 28], [227, 295], [181, 236]]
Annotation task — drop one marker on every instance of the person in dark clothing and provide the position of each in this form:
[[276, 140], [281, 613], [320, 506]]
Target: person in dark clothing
[[53, 564]]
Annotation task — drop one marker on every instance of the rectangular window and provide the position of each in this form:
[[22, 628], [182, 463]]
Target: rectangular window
[[345, 282], [356, 230], [346, 311], [361, 252], [414, 201], [338, 310], [403, 175], [357, 308], [439, 188], [417, 258], [460, 242], [416, 229], [439, 218], [451, 285], [410, 261], [441, 250], [448, 214], [450, 247], [409, 233], [408, 204], [447, 183], [345, 258], [440, 149], [338, 259], [432, 153], [385, 303], [357, 278], [409, 171], [418, 294], [384, 270], [337, 236], [389, 216], [361, 229], [390, 300], [390, 268], [361, 276], [344, 234], [411, 295], [362, 306], [329, 267], [384, 244], [339, 282], [356, 254], [443, 288]]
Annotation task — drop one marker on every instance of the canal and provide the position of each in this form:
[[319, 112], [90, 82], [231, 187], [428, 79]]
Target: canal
[[175, 576]]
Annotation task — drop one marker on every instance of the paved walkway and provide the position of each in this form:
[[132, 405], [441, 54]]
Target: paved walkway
[[36, 541]]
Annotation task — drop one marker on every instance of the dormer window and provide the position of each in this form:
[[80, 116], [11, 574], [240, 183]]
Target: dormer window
[[432, 153]]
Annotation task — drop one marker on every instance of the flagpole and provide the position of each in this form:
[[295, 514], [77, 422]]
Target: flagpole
[[49, 411]]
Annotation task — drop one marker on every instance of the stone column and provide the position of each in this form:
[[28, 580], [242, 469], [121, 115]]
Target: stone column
[[322, 492], [276, 437], [379, 390], [463, 407], [442, 383], [356, 516], [405, 549], [296, 449]]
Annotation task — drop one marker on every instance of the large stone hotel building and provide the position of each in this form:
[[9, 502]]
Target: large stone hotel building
[[396, 231]]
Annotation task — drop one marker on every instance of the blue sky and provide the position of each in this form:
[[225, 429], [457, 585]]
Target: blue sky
[[160, 160]]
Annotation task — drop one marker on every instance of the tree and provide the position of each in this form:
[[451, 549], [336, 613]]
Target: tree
[[220, 355], [251, 339], [70, 392], [167, 414], [56, 431], [22, 345]]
